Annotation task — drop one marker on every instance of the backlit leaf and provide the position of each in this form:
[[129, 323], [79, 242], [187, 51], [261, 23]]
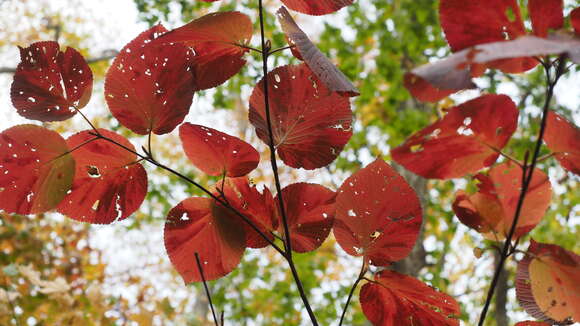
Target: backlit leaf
[[322, 67], [531, 323], [318, 7], [463, 141], [491, 209], [216, 40], [563, 138], [109, 184], [149, 88], [401, 300], [310, 124], [378, 215], [423, 90], [200, 225], [256, 206], [548, 283], [49, 83], [217, 153], [575, 20], [546, 15], [35, 171], [310, 214]]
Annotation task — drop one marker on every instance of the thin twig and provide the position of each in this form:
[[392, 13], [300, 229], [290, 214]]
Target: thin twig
[[360, 277], [288, 242], [527, 173], [206, 289], [281, 49]]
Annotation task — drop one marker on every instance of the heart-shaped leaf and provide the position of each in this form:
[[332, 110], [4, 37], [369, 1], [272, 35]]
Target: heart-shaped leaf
[[310, 124], [35, 170], [109, 184], [49, 84], [378, 215]]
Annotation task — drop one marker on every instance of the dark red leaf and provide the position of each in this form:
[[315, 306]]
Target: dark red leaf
[[378, 215], [257, 206], [423, 90], [35, 172], [401, 300], [318, 7], [463, 141], [532, 323], [310, 214], [109, 185], [548, 284], [310, 124], [467, 23], [562, 137], [491, 210], [49, 84], [546, 15], [217, 153], [199, 225], [575, 20], [149, 88], [216, 39], [322, 67]]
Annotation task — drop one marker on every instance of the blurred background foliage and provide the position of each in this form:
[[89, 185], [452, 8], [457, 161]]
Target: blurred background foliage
[[60, 272]]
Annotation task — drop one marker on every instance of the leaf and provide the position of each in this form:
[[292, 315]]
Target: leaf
[[109, 184], [455, 71], [217, 153], [575, 20], [149, 88], [378, 215], [546, 15], [35, 172], [464, 141], [548, 283], [491, 209], [467, 23], [310, 214], [218, 40], [424, 91], [401, 300], [200, 225], [317, 8], [49, 83], [531, 323], [310, 124], [561, 137], [256, 206], [322, 67]]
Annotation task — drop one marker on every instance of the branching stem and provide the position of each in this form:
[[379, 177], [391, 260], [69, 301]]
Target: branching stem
[[360, 277]]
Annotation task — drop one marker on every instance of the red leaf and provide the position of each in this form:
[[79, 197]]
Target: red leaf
[[575, 20], [149, 88], [216, 153], [49, 83], [258, 207], [401, 300], [548, 283], [546, 15], [562, 137], [531, 323], [467, 23], [109, 185], [35, 173], [310, 124], [462, 141], [322, 67], [199, 225], [310, 214], [422, 90], [378, 215], [491, 210], [317, 8], [215, 38]]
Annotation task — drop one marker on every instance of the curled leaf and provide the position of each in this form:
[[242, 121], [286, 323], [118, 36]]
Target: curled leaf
[[36, 170], [378, 215], [109, 184], [464, 141], [322, 67], [310, 123], [49, 84]]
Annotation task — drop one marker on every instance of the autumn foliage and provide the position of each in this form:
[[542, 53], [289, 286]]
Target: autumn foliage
[[303, 113]]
